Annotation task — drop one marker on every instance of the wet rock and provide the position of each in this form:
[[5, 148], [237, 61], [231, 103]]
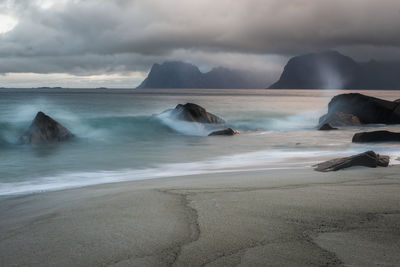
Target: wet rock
[[367, 110], [228, 132], [44, 129], [367, 159], [376, 136], [195, 113], [340, 119]]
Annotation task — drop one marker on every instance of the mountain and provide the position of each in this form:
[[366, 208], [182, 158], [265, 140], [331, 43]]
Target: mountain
[[332, 70], [176, 74]]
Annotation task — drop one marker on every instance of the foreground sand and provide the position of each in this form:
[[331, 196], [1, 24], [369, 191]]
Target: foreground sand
[[259, 218]]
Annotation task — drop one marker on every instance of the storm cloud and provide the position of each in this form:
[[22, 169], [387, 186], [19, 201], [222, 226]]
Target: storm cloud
[[91, 37]]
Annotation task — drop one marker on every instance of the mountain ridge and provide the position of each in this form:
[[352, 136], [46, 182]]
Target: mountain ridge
[[332, 70], [178, 74]]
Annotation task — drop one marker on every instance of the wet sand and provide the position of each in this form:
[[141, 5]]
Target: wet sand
[[252, 218]]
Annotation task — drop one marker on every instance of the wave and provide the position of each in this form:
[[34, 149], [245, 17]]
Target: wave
[[187, 128], [111, 127], [252, 161], [91, 126], [275, 122]]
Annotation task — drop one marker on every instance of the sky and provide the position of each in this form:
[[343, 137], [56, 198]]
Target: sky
[[113, 43]]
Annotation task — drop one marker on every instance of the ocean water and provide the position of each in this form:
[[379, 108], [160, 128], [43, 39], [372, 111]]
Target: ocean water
[[121, 136]]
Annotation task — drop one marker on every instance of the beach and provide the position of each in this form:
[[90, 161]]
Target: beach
[[286, 217], [199, 133]]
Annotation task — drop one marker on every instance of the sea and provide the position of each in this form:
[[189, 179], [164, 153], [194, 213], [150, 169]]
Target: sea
[[123, 135]]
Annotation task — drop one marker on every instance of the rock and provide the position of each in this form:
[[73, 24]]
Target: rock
[[326, 127], [367, 159], [340, 119], [376, 136], [195, 113], [368, 110], [228, 131], [45, 130], [397, 100]]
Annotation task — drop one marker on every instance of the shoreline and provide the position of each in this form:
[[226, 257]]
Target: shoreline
[[275, 217], [238, 163]]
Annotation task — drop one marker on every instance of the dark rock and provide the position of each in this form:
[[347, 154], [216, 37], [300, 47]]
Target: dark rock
[[326, 127], [45, 130], [367, 159], [340, 119], [176, 74], [369, 110], [397, 100], [332, 70], [195, 113], [376, 136], [228, 131]]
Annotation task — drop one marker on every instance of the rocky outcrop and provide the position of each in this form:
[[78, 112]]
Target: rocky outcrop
[[45, 130], [327, 70], [326, 127], [195, 113], [367, 110], [376, 136], [332, 70], [366, 159], [176, 74], [227, 132]]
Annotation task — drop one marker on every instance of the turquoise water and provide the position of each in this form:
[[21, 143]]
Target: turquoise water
[[120, 135]]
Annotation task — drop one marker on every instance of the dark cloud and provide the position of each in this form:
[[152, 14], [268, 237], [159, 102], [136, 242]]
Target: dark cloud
[[87, 37]]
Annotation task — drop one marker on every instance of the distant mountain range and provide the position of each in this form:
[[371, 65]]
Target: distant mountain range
[[332, 70], [176, 74], [326, 70]]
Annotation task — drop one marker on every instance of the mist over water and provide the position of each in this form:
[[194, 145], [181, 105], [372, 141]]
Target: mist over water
[[126, 136]]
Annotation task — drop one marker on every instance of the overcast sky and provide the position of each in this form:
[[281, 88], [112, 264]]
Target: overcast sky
[[113, 43]]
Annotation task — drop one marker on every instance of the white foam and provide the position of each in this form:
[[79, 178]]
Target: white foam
[[183, 127], [260, 160]]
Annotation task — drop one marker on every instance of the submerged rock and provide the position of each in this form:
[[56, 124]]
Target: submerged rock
[[367, 159], [228, 132], [376, 136], [367, 110], [326, 127], [195, 113], [45, 130]]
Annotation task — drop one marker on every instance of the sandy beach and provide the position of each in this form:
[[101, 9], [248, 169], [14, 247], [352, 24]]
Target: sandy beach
[[253, 218]]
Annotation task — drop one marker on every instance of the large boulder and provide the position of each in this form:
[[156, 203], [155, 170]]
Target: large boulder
[[195, 113], [376, 136], [367, 159], [45, 130], [228, 132], [368, 110]]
